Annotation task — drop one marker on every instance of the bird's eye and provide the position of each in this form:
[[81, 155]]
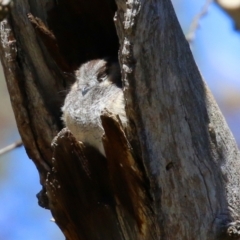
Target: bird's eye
[[102, 74], [102, 77]]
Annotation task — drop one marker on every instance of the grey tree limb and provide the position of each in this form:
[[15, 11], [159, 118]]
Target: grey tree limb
[[10, 147], [189, 153], [191, 35]]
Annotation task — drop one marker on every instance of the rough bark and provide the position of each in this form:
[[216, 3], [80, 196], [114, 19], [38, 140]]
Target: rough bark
[[175, 177], [187, 148], [102, 198]]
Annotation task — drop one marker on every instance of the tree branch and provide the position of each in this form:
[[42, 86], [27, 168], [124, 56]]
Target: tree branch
[[196, 21], [11, 147]]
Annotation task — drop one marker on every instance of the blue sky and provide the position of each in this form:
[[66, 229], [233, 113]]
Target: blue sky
[[21, 218], [216, 50]]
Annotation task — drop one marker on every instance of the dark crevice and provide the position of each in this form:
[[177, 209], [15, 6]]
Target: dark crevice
[[84, 30]]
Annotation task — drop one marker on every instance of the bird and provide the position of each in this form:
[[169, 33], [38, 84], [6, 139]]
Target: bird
[[97, 87]]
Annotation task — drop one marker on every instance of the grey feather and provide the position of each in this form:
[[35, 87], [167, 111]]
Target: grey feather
[[95, 89]]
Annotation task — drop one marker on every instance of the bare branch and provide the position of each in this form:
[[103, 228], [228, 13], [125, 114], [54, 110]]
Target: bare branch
[[195, 23], [11, 147]]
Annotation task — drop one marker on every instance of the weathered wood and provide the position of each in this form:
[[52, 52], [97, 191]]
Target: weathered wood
[[129, 184], [180, 177], [92, 197], [39, 53], [29, 82], [189, 153], [79, 192]]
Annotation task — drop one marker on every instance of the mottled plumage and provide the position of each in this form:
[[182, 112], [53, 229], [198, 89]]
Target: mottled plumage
[[98, 86]]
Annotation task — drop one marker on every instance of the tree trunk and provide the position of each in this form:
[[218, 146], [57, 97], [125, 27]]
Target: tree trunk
[[174, 176]]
